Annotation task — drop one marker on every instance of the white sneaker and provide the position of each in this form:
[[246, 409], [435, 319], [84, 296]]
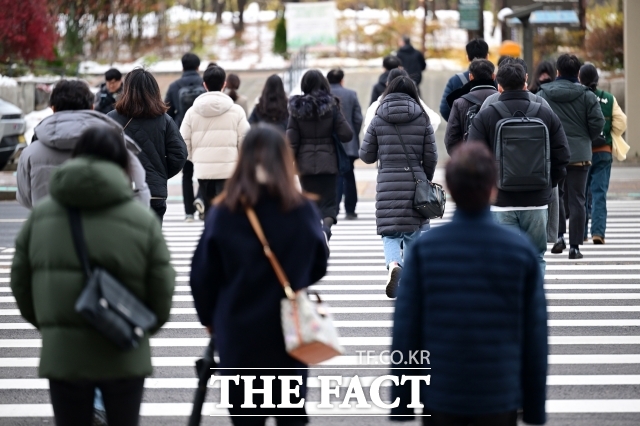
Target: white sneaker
[[189, 218], [395, 271]]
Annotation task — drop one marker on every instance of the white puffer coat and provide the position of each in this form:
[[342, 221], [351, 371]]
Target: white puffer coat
[[213, 129]]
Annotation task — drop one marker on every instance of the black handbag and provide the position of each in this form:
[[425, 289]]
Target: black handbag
[[429, 198], [108, 305]]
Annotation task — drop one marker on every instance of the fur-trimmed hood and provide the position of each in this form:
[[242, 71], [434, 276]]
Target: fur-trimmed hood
[[309, 107]]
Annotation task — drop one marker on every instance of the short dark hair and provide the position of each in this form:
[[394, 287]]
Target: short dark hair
[[113, 74], [589, 76], [511, 76], [471, 175], [190, 62], [104, 142], [71, 95], [214, 77], [395, 73], [404, 85], [482, 69], [512, 60], [568, 65], [141, 96], [335, 76], [390, 62], [477, 48]]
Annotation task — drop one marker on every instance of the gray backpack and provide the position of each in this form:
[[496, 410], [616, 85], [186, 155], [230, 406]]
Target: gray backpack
[[522, 150]]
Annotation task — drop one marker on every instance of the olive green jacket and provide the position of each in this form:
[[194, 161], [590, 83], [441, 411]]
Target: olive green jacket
[[46, 277]]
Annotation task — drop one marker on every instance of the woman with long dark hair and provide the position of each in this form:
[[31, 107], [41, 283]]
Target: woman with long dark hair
[[121, 236], [545, 73], [143, 114], [314, 121], [235, 290], [400, 118], [272, 105], [231, 90]]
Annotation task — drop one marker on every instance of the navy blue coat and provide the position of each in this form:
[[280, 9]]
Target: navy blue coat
[[189, 78], [235, 289], [472, 295], [453, 84]]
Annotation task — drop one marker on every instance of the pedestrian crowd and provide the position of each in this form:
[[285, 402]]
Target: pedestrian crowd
[[271, 176]]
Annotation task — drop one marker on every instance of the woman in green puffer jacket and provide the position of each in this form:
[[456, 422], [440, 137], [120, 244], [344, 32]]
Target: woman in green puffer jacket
[[122, 237]]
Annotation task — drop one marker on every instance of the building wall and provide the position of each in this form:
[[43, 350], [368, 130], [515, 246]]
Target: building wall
[[631, 66]]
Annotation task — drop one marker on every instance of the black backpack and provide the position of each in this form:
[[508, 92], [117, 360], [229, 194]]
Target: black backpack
[[471, 112], [522, 150], [187, 96]]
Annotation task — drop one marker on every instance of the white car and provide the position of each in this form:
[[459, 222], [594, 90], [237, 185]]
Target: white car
[[12, 128]]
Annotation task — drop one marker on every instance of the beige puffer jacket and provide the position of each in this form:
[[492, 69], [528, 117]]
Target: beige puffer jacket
[[213, 129]]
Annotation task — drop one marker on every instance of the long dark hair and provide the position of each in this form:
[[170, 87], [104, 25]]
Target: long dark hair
[[314, 83], [589, 76], [265, 147], [233, 84], [544, 67], [404, 85], [141, 96], [272, 105], [105, 143]]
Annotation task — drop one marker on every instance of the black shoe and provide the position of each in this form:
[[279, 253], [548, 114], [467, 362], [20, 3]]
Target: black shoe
[[559, 246], [351, 216], [575, 254], [395, 271]]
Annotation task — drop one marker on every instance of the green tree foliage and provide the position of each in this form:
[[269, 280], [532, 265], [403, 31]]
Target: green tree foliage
[[280, 38]]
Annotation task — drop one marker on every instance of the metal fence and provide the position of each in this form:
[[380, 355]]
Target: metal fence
[[296, 69]]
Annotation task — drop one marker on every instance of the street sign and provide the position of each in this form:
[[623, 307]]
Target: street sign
[[311, 25], [469, 14]]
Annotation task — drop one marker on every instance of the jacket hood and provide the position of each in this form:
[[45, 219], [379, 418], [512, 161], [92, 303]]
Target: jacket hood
[[311, 106], [560, 91], [88, 183], [399, 108], [212, 104], [62, 130]]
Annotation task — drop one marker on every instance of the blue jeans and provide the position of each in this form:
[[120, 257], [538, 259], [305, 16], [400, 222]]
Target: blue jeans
[[395, 244], [532, 223], [598, 185]]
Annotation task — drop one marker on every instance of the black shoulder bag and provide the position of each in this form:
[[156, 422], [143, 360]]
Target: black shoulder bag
[[108, 305], [430, 198]]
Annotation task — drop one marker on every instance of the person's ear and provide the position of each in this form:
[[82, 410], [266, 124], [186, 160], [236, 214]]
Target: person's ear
[[205, 86], [557, 73], [471, 77], [494, 195], [54, 108], [500, 89], [92, 106], [493, 76], [224, 86]]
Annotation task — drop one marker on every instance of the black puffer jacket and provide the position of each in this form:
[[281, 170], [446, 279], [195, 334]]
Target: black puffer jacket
[[310, 131], [396, 187], [163, 149]]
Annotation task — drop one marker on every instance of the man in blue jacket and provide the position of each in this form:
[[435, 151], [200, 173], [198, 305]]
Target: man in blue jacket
[[472, 296], [476, 48]]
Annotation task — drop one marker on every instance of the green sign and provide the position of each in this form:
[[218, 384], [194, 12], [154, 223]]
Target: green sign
[[469, 14]]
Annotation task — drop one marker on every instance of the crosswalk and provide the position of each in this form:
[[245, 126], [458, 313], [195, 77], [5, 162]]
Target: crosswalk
[[594, 326]]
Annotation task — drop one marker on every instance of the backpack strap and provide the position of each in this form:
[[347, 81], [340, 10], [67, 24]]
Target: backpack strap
[[533, 109], [502, 109], [473, 99], [463, 78]]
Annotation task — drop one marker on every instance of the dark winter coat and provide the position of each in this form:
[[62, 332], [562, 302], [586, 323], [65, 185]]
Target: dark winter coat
[[395, 187], [235, 289], [457, 124], [579, 112], [379, 87], [350, 107], [472, 295], [256, 118], [105, 100], [189, 78], [483, 128], [412, 61], [163, 149], [453, 84], [121, 236], [313, 121]]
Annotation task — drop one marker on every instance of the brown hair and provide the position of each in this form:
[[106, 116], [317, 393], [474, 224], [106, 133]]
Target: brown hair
[[267, 147], [141, 96]]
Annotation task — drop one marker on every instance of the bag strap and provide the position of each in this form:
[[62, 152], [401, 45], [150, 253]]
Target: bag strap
[[404, 149], [282, 277], [78, 240], [533, 110], [125, 126], [472, 98], [463, 78], [502, 109]]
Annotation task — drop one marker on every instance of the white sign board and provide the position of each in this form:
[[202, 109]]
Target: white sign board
[[312, 25]]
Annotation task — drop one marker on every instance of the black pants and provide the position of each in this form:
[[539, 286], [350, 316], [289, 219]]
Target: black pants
[[571, 189], [159, 206], [347, 186], [188, 196], [73, 401], [443, 419], [210, 189], [324, 186]]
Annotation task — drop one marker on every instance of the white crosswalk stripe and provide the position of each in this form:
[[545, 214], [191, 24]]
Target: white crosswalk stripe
[[594, 322]]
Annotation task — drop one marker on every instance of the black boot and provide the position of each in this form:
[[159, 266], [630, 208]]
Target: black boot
[[574, 253], [559, 246]]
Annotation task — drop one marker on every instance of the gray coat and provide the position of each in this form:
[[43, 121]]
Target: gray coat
[[352, 113], [54, 140], [396, 188]]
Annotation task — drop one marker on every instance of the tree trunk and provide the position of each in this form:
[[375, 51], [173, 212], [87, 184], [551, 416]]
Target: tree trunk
[[220, 6]]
